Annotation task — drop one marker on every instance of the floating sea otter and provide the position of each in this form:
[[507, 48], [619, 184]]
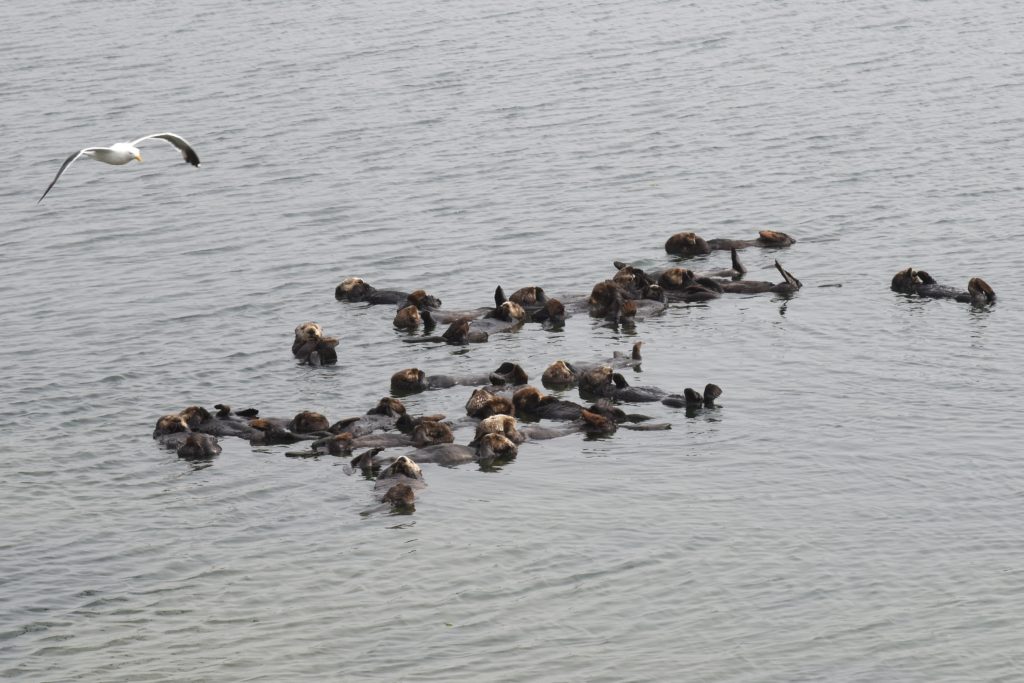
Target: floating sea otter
[[691, 244], [414, 380], [565, 375], [911, 281], [397, 484], [312, 347], [356, 289]]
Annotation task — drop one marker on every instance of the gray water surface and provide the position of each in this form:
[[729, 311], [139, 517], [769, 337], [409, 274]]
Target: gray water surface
[[850, 512]]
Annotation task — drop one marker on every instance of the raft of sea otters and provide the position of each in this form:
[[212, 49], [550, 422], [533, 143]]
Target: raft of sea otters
[[501, 396]]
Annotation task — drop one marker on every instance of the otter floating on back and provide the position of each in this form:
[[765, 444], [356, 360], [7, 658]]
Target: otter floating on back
[[910, 281]]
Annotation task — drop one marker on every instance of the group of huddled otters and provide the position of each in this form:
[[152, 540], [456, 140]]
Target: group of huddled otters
[[500, 396]]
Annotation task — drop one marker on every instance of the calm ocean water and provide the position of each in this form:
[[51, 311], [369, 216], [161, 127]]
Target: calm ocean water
[[850, 513]]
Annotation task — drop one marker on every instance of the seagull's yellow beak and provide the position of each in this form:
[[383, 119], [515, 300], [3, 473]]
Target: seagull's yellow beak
[[138, 156]]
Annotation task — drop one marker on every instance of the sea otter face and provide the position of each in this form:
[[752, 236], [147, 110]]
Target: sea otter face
[[430, 432], [308, 332], [603, 295], [408, 318], [194, 415], [352, 289], [554, 312], [483, 404], [408, 381], [511, 312], [401, 498], [906, 281], [198, 446], [499, 424], [686, 244], [597, 424], [308, 421], [676, 278], [597, 381], [528, 296], [457, 332], [170, 424], [559, 375], [771, 238], [496, 446], [421, 300], [980, 290], [528, 400], [403, 466], [391, 407], [509, 373]]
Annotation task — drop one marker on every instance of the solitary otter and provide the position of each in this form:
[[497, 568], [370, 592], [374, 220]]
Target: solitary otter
[[311, 346], [691, 244], [911, 281]]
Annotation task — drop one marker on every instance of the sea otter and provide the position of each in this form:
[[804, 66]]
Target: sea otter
[[356, 289], [565, 375], [691, 244], [198, 446], [910, 281], [483, 404], [312, 346], [397, 483], [414, 380]]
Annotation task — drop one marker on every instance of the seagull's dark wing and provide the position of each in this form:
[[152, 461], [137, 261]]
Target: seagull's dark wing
[[63, 167], [187, 152]]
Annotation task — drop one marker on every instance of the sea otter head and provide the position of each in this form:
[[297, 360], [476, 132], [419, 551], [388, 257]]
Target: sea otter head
[[483, 404], [597, 381], [403, 467], [197, 446], [430, 432], [509, 373], [528, 296], [596, 424], [307, 421], [773, 238], [559, 375], [408, 381], [401, 498], [676, 278], [686, 244], [906, 281], [194, 415], [388, 406], [528, 400], [170, 424], [421, 300], [309, 332], [495, 445], [352, 289], [498, 424], [408, 318]]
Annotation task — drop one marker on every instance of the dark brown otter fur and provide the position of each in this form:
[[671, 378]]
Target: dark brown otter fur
[[910, 281]]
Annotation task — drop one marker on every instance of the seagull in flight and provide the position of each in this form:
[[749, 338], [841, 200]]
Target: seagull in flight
[[123, 152]]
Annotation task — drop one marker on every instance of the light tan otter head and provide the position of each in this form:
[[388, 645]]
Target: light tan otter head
[[773, 238], [686, 244], [309, 332], [351, 289], [307, 421], [408, 318], [510, 312], [496, 446], [402, 467], [559, 375], [408, 380], [170, 424], [483, 404], [499, 424]]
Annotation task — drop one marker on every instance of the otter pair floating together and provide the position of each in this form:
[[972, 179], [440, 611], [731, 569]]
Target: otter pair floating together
[[121, 153]]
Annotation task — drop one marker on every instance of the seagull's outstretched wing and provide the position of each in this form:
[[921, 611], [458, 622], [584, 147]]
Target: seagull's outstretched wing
[[187, 152], [63, 167]]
